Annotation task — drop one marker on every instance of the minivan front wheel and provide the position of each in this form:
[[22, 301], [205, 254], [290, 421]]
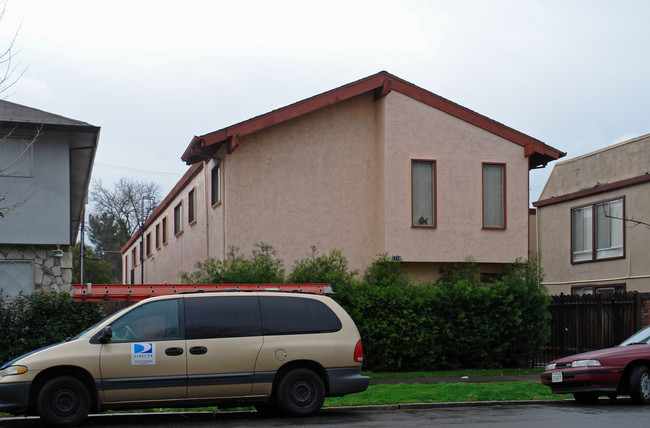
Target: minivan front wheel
[[63, 401], [301, 392]]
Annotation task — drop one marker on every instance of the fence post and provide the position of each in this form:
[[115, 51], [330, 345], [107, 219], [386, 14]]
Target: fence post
[[638, 313]]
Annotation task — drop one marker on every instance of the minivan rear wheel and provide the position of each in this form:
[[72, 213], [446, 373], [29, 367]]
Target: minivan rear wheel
[[63, 401], [301, 392]]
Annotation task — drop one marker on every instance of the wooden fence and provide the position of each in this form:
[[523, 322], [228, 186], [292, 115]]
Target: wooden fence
[[585, 323]]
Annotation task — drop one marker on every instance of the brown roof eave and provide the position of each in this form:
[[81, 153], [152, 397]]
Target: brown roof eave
[[381, 83]]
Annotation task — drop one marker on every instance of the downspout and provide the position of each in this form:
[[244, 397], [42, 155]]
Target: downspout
[[207, 209], [222, 183]]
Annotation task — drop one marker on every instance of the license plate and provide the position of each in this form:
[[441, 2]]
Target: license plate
[[556, 377]]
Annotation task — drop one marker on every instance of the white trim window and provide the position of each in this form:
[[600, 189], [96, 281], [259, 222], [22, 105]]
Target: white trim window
[[597, 231]]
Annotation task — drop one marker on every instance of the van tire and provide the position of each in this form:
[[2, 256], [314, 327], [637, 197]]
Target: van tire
[[301, 392], [63, 401]]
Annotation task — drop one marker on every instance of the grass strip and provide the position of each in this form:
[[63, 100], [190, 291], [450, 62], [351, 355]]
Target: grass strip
[[445, 393]]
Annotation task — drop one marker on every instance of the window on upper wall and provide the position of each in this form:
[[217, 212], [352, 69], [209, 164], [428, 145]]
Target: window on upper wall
[[133, 258], [423, 189], [494, 196], [148, 244], [178, 218], [164, 230], [215, 195], [191, 206], [158, 236], [597, 231]]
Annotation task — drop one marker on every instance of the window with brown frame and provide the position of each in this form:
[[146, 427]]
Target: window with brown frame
[[215, 195], [494, 195], [191, 204], [597, 231], [148, 244], [133, 257], [158, 236], [164, 230], [423, 193], [178, 218]]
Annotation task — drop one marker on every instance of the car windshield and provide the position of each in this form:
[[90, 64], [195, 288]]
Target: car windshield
[[641, 337]]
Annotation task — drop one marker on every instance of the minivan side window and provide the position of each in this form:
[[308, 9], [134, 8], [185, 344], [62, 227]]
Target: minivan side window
[[217, 317], [152, 321], [287, 315]]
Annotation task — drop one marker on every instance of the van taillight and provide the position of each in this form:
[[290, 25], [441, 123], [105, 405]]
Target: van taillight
[[358, 353]]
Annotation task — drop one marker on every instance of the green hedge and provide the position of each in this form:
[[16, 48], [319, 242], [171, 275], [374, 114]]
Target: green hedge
[[450, 324], [40, 319]]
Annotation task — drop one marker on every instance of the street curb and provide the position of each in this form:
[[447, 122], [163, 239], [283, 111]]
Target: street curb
[[406, 406]]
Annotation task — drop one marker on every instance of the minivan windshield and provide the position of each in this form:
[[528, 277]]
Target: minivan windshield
[[641, 337], [108, 319]]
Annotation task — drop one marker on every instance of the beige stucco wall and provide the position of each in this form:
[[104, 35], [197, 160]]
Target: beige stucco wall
[[618, 162], [417, 131], [340, 178], [309, 181]]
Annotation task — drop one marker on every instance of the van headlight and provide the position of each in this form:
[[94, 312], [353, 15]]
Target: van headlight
[[13, 370], [585, 363]]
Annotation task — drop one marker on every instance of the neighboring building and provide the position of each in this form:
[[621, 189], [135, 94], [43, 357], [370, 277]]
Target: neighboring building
[[376, 166], [593, 221], [45, 166]]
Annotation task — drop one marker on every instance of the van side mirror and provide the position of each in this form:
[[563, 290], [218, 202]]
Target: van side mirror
[[107, 334]]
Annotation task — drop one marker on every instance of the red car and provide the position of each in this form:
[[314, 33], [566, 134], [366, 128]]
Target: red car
[[622, 370]]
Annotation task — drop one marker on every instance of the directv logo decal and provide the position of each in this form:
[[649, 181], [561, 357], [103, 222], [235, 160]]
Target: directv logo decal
[[143, 353]]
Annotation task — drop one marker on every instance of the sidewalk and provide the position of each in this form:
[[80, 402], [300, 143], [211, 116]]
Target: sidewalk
[[463, 379]]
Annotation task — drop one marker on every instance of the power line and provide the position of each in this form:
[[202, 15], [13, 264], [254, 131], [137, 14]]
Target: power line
[[137, 170]]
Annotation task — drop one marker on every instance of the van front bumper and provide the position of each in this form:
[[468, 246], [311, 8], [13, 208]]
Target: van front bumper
[[14, 397]]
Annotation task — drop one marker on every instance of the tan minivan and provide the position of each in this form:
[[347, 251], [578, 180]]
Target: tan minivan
[[274, 350]]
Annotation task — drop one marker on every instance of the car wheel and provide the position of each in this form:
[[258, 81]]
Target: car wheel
[[63, 401], [640, 385], [585, 397], [300, 393]]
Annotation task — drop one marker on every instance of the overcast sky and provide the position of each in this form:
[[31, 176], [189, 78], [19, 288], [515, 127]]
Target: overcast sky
[[152, 74]]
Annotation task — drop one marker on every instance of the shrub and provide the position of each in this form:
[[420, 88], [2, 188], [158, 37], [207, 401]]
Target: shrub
[[261, 267], [40, 319], [330, 269], [385, 272]]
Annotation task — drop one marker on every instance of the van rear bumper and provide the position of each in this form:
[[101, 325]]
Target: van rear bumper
[[346, 380], [14, 397]]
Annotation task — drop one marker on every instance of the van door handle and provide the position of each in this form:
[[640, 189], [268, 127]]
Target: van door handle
[[198, 350], [173, 351]]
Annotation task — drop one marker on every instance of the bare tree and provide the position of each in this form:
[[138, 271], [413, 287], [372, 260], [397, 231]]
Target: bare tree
[[10, 70], [130, 202], [13, 152]]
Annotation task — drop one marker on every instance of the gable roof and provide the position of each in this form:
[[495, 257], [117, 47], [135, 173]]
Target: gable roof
[[16, 114], [204, 146]]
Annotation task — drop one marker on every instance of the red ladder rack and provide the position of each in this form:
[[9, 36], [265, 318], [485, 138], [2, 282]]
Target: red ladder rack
[[137, 292]]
